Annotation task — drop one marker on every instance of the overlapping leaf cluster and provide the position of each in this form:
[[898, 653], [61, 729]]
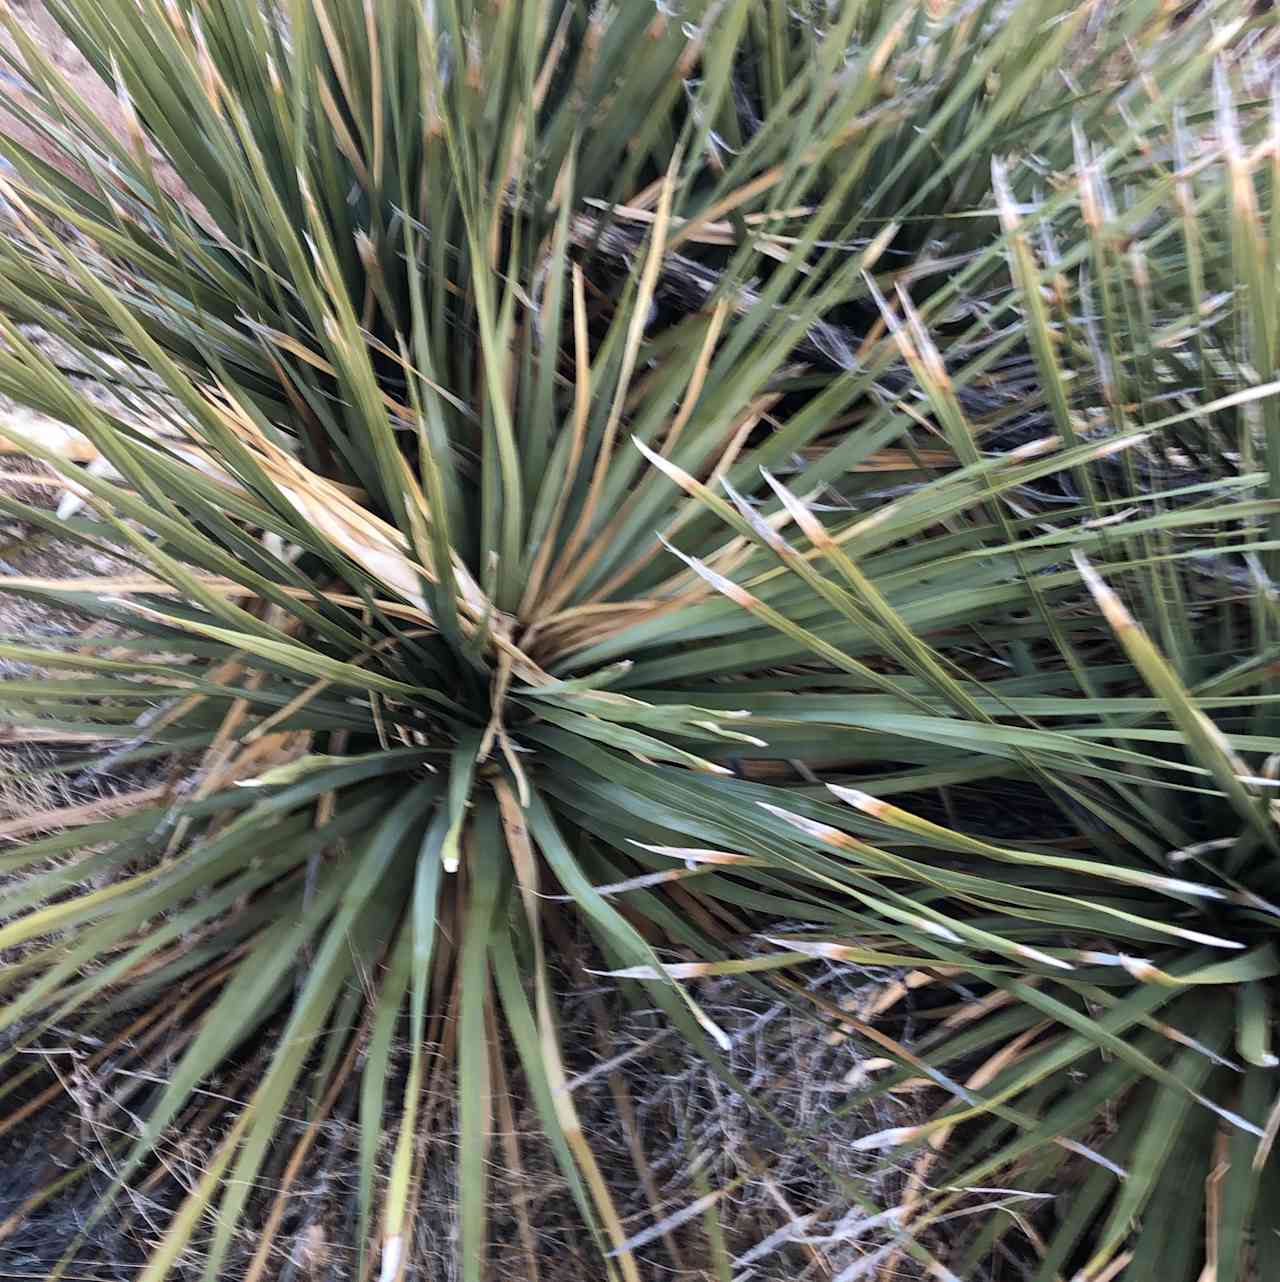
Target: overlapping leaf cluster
[[720, 466]]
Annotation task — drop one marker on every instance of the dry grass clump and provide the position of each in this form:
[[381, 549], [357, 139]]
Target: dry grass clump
[[757, 1172]]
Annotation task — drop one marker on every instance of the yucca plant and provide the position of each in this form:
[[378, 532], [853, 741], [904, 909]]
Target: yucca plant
[[552, 447]]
